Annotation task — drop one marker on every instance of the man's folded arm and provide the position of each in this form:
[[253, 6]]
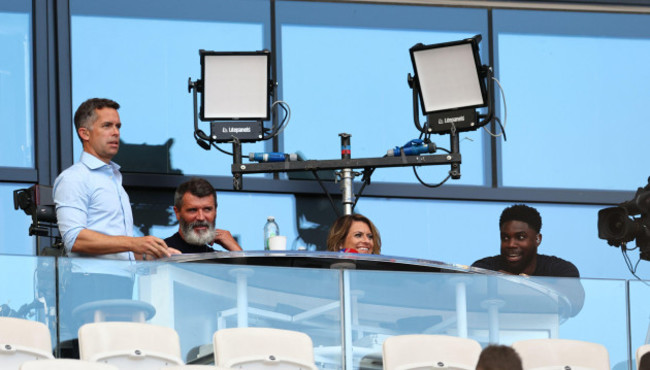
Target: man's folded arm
[[93, 242], [78, 239]]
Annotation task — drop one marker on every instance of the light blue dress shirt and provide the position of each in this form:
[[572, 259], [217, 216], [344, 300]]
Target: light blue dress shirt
[[89, 195]]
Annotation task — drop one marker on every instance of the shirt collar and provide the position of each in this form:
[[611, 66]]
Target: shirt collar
[[94, 163]]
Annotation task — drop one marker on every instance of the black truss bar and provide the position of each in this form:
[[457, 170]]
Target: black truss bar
[[334, 164]]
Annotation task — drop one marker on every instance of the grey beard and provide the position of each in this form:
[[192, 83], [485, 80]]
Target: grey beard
[[198, 238]]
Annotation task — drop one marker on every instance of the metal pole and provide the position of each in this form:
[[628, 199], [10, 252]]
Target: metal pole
[[237, 179], [348, 347], [347, 176], [460, 284], [241, 277], [455, 149]]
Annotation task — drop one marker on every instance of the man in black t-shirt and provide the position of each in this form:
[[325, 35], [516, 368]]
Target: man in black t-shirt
[[195, 206], [520, 237]]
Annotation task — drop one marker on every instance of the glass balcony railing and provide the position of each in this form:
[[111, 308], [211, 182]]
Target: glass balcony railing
[[348, 305]]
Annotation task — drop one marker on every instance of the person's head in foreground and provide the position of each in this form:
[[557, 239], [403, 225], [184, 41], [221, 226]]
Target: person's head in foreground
[[354, 234], [498, 357], [644, 363]]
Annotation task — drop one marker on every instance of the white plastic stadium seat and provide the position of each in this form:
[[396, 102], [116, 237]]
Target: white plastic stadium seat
[[263, 348], [563, 367], [561, 354], [23, 340], [65, 364], [130, 345], [422, 351], [195, 367]]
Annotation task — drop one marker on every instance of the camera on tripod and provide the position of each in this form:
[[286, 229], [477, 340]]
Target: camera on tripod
[[628, 221], [37, 202]]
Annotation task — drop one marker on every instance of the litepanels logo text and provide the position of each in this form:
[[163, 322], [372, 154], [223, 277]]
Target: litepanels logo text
[[450, 120], [235, 130]]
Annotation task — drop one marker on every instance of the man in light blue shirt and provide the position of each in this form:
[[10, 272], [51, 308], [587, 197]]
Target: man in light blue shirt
[[92, 208], [95, 219]]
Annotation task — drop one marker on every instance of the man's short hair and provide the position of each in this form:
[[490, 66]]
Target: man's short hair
[[86, 115], [196, 186], [524, 213], [498, 357]]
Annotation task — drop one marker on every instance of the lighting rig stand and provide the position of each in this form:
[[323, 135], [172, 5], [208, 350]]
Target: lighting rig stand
[[346, 165], [448, 103]]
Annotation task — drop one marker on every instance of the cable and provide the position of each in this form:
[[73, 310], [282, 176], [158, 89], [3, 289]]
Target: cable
[[503, 130], [505, 114], [366, 181], [219, 149], [285, 121], [206, 142], [329, 196], [628, 262], [430, 185], [287, 115], [202, 139], [467, 138]]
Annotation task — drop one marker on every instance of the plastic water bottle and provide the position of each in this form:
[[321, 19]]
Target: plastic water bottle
[[271, 228]]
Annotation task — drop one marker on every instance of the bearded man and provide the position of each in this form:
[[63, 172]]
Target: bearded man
[[195, 206]]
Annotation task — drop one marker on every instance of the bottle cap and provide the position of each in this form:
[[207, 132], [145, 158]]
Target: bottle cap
[[270, 218]]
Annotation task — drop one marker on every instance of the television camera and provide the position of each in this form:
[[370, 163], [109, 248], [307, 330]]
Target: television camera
[[38, 203], [628, 221]]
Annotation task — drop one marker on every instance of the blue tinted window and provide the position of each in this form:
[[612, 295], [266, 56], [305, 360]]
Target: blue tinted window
[[28, 292], [17, 143], [344, 68], [603, 298], [14, 224], [244, 215], [462, 232], [142, 58], [639, 311], [453, 232], [576, 86]]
